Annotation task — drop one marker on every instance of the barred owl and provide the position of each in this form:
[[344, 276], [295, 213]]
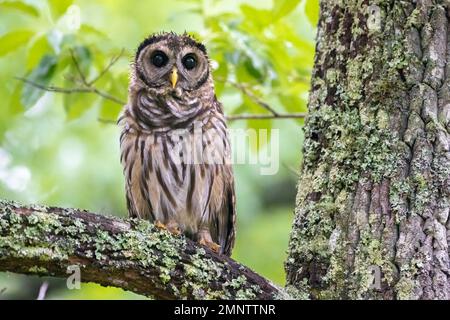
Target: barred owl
[[175, 148]]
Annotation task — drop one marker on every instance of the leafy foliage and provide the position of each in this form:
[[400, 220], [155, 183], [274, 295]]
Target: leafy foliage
[[19, 6], [255, 46], [312, 11], [13, 40], [265, 46]]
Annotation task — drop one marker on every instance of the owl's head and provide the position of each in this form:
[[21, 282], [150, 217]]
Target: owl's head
[[169, 61]]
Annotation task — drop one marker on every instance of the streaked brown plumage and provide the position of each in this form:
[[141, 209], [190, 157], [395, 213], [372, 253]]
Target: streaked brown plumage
[[174, 144]]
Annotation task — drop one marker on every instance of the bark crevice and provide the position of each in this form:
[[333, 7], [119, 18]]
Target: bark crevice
[[377, 151]]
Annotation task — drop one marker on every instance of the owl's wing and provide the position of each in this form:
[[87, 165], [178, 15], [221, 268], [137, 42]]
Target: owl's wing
[[227, 215], [225, 220], [135, 162]]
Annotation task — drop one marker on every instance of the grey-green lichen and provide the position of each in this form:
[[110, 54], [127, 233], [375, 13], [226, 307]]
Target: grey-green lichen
[[374, 189], [132, 254]]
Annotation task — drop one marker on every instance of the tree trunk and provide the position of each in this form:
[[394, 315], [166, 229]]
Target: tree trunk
[[374, 192], [373, 197]]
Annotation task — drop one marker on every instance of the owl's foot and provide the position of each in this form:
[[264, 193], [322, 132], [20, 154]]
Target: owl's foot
[[204, 238], [160, 225], [212, 245], [172, 227]]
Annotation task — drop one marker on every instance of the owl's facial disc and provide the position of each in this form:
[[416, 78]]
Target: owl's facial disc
[[171, 62], [193, 66], [154, 63]]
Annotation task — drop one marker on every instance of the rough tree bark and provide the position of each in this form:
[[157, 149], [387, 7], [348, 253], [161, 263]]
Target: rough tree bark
[[373, 196], [375, 183], [129, 254]]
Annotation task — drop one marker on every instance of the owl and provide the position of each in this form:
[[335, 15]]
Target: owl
[[175, 147]]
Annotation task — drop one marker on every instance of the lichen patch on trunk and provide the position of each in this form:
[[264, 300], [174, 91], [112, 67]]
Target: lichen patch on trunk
[[374, 193]]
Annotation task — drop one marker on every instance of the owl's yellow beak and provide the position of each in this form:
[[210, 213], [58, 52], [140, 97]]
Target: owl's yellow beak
[[174, 77]]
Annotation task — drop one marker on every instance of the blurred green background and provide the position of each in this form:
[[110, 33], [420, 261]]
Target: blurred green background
[[61, 150]]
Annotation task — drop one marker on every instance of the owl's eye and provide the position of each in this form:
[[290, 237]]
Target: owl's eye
[[159, 59], [189, 61]]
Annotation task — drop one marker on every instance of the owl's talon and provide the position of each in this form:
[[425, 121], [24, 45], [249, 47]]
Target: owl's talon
[[160, 225], [172, 227], [174, 230], [211, 245]]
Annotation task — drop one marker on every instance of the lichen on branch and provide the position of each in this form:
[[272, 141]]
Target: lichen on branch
[[130, 254]]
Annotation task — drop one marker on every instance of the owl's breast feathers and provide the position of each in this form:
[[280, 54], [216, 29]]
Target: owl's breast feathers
[[176, 158], [161, 111]]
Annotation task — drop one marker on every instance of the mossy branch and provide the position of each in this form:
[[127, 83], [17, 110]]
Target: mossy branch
[[130, 254]]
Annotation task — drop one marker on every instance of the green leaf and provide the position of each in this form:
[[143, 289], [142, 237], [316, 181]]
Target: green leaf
[[312, 11], [293, 103], [262, 129], [64, 63], [13, 40], [86, 28], [109, 109], [76, 104], [249, 106], [15, 104], [42, 75], [38, 49], [84, 58], [252, 70], [259, 17], [243, 74], [282, 8], [19, 6], [59, 7], [220, 74]]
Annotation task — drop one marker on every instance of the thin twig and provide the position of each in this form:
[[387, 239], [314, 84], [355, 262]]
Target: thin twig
[[112, 98], [86, 87], [53, 88], [108, 96], [300, 115], [77, 66], [106, 69], [241, 117], [42, 291], [249, 94], [106, 121], [90, 89]]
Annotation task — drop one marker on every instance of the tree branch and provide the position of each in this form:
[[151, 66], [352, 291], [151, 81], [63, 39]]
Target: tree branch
[[77, 66], [131, 254], [299, 115], [105, 95], [84, 89], [251, 95], [88, 87], [107, 68]]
